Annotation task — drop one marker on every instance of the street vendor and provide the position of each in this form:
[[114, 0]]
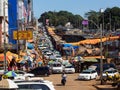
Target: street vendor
[[12, 65]]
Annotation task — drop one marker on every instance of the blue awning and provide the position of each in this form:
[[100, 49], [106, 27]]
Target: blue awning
[[30, 46]]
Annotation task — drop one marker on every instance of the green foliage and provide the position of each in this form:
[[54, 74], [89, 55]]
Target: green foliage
[[110, 17], [61, 18]]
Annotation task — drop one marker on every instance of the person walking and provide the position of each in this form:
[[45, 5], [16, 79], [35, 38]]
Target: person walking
[[12, 65]]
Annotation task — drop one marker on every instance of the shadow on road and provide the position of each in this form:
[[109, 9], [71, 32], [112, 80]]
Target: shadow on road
[[58, 85]]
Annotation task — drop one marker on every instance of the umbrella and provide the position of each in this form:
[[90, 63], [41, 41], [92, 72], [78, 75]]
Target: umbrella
[[10, 74], [51, 62], [7, 84], [30, 46]]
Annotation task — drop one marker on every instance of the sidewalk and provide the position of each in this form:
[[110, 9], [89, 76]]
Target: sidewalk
[[104, 87]]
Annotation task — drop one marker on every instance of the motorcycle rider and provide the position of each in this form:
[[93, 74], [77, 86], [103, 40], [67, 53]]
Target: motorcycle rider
[[64, 76]]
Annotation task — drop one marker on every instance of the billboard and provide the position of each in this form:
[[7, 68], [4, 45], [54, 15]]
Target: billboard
[[85, 22], [12, 18]]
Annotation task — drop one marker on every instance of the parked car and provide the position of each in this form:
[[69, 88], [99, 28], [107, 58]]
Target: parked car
[[57, 67], [88, 74], [34, 85], [110, 72], [42, 71], [105, 66], [23, 73], [69, 69]]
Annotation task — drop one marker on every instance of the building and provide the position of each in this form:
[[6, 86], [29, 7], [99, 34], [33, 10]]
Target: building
[[18, 14], [3, 26]]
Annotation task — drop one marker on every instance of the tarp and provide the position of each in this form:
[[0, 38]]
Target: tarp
[[90, 60], [97, 57], [2, 58], [67, 45], [9, 56], [95, 41], [30, 41], [30, 46]]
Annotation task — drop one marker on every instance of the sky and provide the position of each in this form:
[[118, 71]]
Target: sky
[[79, 7]]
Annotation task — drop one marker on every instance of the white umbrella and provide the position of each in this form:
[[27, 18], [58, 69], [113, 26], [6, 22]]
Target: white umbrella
[[7, 84]]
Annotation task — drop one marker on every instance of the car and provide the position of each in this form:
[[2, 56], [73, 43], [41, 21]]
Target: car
[[110, 72], [105, 66], [57, 67], [2, 71], [23, 73], [88, 74], [41, 71], [35, 85], [69, 69], [59, 58]]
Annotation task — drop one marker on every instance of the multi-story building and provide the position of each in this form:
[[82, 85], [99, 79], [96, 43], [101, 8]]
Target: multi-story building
[[3, 21], [17, 13]]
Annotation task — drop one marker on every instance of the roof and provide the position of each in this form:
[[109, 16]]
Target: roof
[[88, 70]]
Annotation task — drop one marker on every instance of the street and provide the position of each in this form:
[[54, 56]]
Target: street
[[72, 82]]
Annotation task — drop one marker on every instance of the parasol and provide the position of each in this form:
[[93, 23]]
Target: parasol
[[10, 74]]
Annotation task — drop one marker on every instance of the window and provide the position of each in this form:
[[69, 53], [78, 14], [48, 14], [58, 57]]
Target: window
[[33, 86]]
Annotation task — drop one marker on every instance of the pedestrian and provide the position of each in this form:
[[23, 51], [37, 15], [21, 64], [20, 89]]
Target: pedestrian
[[12, 65]]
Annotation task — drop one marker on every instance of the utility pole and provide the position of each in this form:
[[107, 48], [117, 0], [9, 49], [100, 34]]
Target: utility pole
[[101, 54], [101, 60], [5, 61]]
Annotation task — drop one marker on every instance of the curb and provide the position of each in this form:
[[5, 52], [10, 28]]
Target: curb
[[104, 87]]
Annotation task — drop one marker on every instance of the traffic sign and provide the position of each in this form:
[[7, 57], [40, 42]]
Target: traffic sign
[[23, 35]]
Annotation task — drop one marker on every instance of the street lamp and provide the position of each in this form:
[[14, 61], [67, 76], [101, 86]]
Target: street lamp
[[101, 28]]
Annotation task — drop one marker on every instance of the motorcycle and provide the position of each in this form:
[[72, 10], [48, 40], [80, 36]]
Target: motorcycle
[[63, 81]]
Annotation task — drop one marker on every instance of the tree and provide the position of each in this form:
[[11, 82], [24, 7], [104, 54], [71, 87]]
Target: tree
[[61, 18], [94, 17]]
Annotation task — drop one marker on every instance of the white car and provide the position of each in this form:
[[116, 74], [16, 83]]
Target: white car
[[35, 85], [2, 72], [69, 69], [110, 72], [59, 58], [23, 73], [57, 67], [88, 74]]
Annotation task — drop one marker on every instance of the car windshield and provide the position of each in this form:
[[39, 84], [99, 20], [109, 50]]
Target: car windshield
[[69, 67], [33, 87], [20, 72], [85, 72], [56, 65], [111, 71]]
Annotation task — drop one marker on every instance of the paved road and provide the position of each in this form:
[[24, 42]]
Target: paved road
[[72, 82]]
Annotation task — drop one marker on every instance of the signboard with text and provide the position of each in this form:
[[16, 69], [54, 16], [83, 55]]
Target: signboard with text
[[85, 22], [23, 35]]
